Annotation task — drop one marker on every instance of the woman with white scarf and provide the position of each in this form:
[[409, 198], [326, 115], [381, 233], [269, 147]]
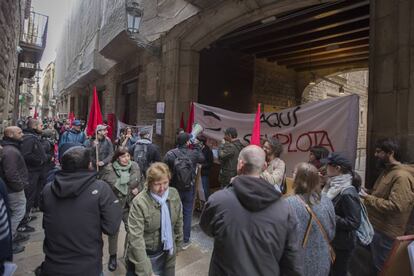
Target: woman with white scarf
[[344, 196], [155, 226]]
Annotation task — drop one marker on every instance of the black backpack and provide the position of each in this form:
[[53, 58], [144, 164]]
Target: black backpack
[[140, 156], [183, 171]]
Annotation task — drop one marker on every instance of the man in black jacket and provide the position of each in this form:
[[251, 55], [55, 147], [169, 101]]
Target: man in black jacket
[[78, 209], [16, 177], [255, 232], [179, 157], [35, 158]]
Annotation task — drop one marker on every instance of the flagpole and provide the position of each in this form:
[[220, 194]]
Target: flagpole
[[96, 149]]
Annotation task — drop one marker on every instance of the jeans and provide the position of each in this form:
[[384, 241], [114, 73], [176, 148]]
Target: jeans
[[206, 185], [187, 199], [381, 246], [17, 204]]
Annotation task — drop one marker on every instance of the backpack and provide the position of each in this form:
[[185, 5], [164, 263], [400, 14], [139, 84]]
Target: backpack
[[365, 232], [140, 156], [183, 171]]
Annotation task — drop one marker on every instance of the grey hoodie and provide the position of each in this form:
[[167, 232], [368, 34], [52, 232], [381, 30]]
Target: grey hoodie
[[254, 230]]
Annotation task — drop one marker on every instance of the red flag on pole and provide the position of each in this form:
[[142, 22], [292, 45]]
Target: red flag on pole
[[71, 118], [182, 121], [190, 121], [95, 115], [255, 140], [35, 115]]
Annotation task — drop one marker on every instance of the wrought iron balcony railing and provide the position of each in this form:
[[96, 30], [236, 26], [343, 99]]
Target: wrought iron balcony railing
[[35, 30]]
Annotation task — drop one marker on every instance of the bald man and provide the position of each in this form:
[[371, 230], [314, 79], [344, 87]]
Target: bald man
[[254, 230], [35, 157], [15, 175]]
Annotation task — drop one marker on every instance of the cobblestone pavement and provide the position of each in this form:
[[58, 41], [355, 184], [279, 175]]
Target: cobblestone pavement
[[192, 262]]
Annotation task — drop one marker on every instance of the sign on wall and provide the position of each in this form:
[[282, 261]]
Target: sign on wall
[[332, 123]]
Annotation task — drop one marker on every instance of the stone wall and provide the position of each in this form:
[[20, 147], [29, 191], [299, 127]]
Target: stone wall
[[353, 83], [10, 18], [274, 86]]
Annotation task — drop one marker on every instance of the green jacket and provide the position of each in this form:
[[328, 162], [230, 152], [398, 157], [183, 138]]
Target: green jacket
[[109, 175], [145, 227], [228, 156]]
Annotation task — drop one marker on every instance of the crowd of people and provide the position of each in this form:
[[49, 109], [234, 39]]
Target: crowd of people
[[85, 186]]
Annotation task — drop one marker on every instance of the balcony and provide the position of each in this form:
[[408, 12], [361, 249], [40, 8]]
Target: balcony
[[33, 38], [28, 70]]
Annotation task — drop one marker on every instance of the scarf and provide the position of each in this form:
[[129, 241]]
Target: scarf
[[123, 176], [166, 228], [338, 184]]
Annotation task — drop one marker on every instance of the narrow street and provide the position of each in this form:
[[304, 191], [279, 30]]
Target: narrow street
[[193, 261]]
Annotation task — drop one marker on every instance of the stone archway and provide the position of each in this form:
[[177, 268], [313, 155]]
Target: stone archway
[[181, 47], [352, 82]]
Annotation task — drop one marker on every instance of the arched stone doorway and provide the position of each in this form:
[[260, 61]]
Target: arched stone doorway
[[342, 84], [181, 49]]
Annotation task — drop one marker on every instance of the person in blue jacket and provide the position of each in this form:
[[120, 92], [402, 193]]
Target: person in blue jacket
[[73, 135]]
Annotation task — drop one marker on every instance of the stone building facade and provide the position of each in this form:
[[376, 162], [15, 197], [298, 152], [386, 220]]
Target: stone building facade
[[167, 62], [12, 14], [48, 91]]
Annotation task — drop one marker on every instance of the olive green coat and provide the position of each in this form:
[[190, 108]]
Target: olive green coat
[[144, 229], [109, 175], [228, 156]]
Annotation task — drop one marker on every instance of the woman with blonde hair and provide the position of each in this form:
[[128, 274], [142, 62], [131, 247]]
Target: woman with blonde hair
[[155, 226], [316, 217]]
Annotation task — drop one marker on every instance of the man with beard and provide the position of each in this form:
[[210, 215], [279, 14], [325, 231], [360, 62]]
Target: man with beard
[[228, 154], [276, 168], [35, 157], [391, 201], [104, 146], [254, 230]]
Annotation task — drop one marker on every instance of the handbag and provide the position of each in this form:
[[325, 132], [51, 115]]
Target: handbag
[[320, 226]]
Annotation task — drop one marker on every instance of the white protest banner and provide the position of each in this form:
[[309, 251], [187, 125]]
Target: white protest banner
[[332, 123], [135, 129]]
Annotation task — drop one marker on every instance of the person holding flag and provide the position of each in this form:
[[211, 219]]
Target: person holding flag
[[101, 147]]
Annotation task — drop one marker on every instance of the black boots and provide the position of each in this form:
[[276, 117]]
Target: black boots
[[112, 263]]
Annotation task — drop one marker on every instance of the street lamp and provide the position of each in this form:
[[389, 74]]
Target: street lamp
[[134, 18]]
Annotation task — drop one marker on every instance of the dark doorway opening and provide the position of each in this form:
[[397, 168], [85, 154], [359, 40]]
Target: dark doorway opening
[[129, 96]]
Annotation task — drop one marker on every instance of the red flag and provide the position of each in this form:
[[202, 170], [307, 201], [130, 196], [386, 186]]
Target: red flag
[[71, 118], [95, 115], [190, 121], [111, 125], [182, 121], [255, 140], [35, 115]]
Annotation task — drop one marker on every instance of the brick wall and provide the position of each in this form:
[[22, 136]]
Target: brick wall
[[9, 39]]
